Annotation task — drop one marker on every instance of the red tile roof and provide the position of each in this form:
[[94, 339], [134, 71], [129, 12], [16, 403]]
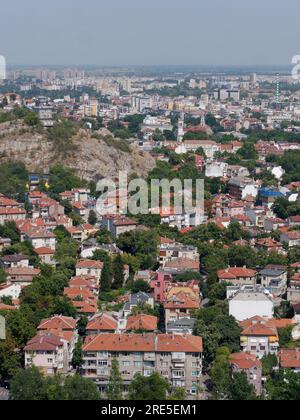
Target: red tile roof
[[103, 322], [289, 358], [46, 342], [235, 272], [144, 343], [58, 322], [89, 264], [244, 360], [142, 322]]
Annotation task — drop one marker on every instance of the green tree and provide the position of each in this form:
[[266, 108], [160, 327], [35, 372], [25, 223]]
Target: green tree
[[150, 388], [115, 385], [118, 271], [28, 385], [140, 286], [220, 374], [92, 218], [78, 388], [77, 359], [106, 277], [240, 389]]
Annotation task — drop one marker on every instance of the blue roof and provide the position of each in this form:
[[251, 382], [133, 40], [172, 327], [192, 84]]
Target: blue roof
[[267, 192]]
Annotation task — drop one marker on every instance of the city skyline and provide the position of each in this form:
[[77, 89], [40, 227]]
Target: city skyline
[[133, 34]]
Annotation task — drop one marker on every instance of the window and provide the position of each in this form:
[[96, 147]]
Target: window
[[137, 364], [49, 360], [178, 373], [102, 363], [126, 364], [195, 373]]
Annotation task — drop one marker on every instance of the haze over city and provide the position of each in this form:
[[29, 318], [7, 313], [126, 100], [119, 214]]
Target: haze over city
[[135, 32]]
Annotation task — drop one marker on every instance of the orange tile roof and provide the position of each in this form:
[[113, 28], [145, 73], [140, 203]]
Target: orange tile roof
[[183, 263], [289, 358], [142, 322], [58, 322], [244, 360], [182, 300], [144, 343], [44, 251], [234, 272], [89, 264], [103, 322], [46, 342]]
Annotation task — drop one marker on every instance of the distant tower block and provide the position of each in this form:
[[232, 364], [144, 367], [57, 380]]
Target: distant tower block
[[202, 122], [2, 68], [277, 89], [180, 131]]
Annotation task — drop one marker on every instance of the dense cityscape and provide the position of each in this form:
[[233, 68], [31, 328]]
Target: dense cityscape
[[112, 287]]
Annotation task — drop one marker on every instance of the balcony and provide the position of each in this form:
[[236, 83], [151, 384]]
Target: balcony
[[150, 357], [179, 357]]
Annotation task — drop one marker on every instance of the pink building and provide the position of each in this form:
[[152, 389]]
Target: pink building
[[160, 286]]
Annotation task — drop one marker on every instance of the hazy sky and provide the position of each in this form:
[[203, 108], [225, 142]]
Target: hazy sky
[[152, 32]]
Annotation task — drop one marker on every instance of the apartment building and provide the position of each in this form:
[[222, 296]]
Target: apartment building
[[169, 252], [177, 358]]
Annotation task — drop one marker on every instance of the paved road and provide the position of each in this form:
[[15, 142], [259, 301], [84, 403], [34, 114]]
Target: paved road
[[4, 394]]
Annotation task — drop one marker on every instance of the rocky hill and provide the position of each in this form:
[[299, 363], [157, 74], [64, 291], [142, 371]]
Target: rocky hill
[[92, 158]]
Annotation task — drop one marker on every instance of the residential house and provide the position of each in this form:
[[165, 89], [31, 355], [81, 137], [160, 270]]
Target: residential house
[[11, 215], [273, 223], [181, 326], [294, 221], [274, 280], [237, 276], [10, 290], [22, 275], [291, 238], [289, 359], [249, 364], [46, 255], [117, 225], [259, 335], [89, 268], [63, 327], [41, 238], [240, 188], [14, 260], [169, 252], [180, 266], [47, 352], [269, 245], [293, 291], [181, 301], [4, 243], [140, 298], [102, 324], [141, 323]]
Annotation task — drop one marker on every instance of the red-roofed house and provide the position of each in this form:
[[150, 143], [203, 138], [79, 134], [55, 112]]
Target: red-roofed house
[[142, 322], [237, 276], [89, 268], [248, 363]]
